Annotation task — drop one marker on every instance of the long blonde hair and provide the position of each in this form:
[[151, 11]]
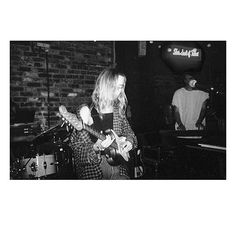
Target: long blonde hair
[[103, 94]]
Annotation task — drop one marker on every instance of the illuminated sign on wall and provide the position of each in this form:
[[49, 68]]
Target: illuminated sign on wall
[[182, 58], [185, 52]]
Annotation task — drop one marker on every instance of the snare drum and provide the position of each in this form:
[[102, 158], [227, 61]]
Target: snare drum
[[38, 166]]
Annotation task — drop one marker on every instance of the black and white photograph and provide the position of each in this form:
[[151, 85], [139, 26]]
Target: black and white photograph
[[95, 92], [118, 110]]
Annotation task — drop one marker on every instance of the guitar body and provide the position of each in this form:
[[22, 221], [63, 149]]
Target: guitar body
[[115, 154], [113, 157]]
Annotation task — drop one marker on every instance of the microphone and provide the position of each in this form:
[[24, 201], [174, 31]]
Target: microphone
[[194, 84]]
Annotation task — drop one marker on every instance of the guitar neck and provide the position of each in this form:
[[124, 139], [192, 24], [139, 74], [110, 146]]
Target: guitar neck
[[97, 134], [94, 132]]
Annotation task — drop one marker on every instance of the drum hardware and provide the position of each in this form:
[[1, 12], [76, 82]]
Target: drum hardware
[[34, 167], [37, 167], [42, 165], [54, 135], [40, 159], [16, 169]]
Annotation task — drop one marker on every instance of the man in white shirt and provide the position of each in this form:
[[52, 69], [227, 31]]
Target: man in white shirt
[[189, 106]]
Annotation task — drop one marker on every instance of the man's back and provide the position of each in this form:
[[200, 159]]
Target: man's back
[[189, 104]]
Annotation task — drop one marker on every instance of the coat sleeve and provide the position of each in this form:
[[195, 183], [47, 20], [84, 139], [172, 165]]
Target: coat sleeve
[[82, 146], [129, 133]]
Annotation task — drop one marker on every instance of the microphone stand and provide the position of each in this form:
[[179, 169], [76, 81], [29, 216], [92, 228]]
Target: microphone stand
[[48, 88]]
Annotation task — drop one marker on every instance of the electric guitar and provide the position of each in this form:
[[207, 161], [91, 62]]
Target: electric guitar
[[114, 153]]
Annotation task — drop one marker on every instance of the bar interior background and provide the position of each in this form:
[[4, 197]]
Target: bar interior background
[[46, 74]]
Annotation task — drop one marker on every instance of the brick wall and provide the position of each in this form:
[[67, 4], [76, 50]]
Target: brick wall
[[73, 68]]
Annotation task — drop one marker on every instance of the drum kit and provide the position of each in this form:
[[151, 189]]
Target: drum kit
[[45, 156]]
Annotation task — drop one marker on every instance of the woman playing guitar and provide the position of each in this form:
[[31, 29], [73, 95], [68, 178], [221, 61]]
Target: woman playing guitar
[[104, 158]]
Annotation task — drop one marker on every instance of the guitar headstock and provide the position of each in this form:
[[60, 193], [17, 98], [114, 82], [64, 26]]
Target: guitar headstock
[[69, 118]]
